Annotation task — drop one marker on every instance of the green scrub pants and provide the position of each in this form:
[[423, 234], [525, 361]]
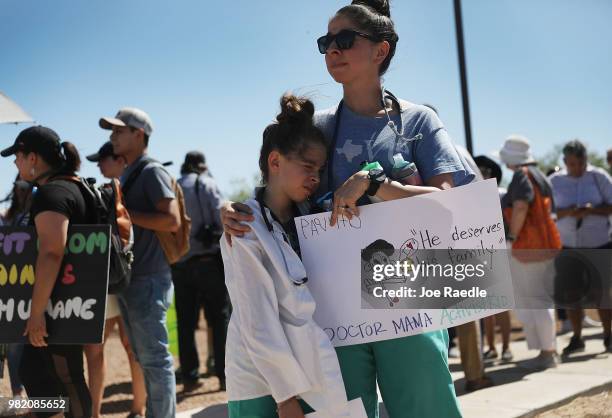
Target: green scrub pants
[[412, 373], [264, 407]]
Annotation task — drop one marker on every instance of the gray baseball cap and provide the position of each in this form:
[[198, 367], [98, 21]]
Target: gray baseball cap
[[129, 116]]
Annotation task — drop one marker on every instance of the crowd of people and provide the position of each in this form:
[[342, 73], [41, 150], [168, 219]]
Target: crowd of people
[[46, 196], [265, 348]]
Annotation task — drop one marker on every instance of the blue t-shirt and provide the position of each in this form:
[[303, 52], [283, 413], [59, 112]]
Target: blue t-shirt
[[152, 185], [363, 138]]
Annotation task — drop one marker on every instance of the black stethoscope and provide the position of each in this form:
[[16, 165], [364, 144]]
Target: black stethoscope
[[262, 208], [399, 133]]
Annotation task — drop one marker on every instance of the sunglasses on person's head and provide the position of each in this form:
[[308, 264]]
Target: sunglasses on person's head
[[344, 39]]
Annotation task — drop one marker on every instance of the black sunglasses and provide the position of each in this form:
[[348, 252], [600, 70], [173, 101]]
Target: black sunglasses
[[344, 39]]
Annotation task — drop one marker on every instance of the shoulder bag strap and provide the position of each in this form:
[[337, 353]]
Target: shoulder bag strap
[[134, 175]]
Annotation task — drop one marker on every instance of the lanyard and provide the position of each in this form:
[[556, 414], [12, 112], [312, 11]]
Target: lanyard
[[259, 197], [386, 95]]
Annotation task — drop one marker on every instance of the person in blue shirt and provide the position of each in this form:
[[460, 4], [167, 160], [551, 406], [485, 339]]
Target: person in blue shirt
[[198, 277]]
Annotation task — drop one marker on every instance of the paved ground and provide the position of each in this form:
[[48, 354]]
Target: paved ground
[[118, 391], [519, 392]]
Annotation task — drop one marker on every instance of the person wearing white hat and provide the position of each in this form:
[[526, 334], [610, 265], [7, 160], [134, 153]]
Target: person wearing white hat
[[539, 324], [516, 151]]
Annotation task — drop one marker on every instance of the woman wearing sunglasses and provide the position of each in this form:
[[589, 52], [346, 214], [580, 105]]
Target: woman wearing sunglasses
[[275, 350], [370, 124]]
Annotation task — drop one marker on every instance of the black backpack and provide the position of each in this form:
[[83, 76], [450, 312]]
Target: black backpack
[[105, 203]]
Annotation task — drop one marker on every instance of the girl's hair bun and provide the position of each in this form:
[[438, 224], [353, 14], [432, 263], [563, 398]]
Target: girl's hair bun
[[292, 132], [379, 6], [295, 110]]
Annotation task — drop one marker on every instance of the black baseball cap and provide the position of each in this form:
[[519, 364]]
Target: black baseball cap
[[105, 150], [195, 159], [38, 139]]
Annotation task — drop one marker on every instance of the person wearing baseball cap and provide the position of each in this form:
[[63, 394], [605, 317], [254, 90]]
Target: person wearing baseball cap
[[199, 277], [153, 207], [41, 157], [41, 148], [129, 116], [111, 165], [130, 127], [105, 150]]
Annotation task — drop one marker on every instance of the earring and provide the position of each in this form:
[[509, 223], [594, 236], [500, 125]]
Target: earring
[[32, 171]]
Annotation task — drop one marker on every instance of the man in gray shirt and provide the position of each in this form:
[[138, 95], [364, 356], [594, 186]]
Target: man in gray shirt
[[150, 200], [199, 277]]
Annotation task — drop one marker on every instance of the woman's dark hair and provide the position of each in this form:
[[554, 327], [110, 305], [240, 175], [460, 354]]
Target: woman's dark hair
[[20, 203], [195, 162], [482, 161], [374, 18], [72, 158], [292, 133], [65, 159], [190, 168], [575, 148]]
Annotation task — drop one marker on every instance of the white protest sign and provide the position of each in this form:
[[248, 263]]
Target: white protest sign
[[461, 218]]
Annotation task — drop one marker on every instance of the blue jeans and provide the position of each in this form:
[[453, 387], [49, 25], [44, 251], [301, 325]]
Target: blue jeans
[[143, 306]]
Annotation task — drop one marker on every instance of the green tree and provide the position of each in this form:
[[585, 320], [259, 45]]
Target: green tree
[[551, 159], [598, 160], [242, 188], [554, 158]]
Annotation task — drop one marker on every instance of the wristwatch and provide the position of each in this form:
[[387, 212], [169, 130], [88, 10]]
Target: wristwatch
[[377, 177]]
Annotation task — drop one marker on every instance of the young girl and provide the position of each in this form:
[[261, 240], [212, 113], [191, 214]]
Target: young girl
[[275, 350]]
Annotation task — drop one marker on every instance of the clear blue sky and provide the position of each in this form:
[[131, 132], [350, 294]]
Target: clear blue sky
[[210, 73]]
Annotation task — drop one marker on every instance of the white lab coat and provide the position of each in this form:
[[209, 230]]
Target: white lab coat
[[274, 347]]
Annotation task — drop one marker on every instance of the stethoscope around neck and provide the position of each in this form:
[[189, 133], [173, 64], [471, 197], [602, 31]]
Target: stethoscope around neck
[[270, 227], [399, 133]]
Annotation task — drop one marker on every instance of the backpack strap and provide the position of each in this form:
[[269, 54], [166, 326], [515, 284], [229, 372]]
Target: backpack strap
[[90, 194], [129, 182], [120, 215], [197, 193]]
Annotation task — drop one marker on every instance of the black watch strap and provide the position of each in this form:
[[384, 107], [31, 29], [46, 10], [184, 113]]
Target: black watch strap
[[377, 177]]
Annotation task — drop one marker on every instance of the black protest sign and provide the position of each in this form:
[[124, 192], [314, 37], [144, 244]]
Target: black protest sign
[[75, 312]]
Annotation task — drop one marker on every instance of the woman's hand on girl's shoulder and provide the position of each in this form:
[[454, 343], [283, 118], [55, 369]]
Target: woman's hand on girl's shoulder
[[232, 214]]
